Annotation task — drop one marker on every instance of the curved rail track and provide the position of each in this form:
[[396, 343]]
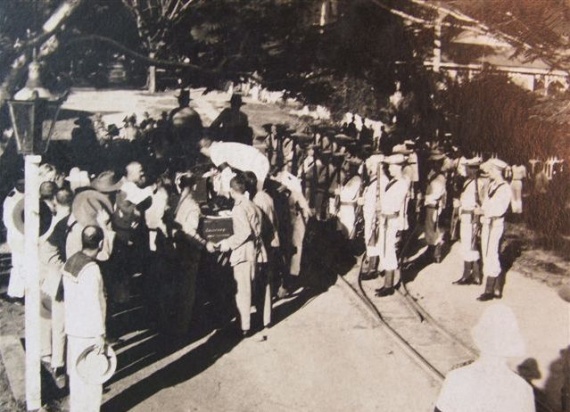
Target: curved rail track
[[434, 348]]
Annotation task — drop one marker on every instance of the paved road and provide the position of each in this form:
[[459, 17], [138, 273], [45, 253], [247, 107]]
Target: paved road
[[327, 354]]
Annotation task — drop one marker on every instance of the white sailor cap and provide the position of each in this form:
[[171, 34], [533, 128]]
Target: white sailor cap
[[497, 163], [395, 159]]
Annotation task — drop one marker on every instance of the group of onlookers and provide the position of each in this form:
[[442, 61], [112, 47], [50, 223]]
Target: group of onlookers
[[138, 220]]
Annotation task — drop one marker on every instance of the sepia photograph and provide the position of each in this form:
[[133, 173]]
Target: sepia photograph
[[285, 205]]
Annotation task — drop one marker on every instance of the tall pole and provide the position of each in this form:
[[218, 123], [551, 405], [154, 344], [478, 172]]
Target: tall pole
[[32, 271]]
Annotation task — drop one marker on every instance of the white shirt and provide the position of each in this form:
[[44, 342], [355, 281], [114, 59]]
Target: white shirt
[[85, 306], [240, 156], [498, 200]]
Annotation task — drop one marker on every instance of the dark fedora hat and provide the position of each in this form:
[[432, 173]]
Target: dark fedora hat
[[83, 121], [113, 130], [46, 217], [236, 100], [107, 182]]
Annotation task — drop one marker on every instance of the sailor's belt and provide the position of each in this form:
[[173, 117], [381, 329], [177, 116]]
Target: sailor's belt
[[467, 212], [492, 219], [390, 215], [432, 206], [347, 203]]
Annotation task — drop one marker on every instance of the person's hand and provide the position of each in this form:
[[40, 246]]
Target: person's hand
[[210, 247], [103, 219], [223, 247], [478, 211], [100, 344]]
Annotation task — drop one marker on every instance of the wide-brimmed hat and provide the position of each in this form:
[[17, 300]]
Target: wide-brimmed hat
[[83, 121], [107, 182], [497, 332], [284, 128], [87, 204], [267, 127], [46, 217], [96, 367], [302, 137], [236, 100]]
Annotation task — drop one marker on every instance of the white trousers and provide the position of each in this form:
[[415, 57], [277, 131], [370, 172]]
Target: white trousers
[[83, 397], [516, 199], [387, 244], [244, 274], [491, 234], [17, 282], [466, 235]]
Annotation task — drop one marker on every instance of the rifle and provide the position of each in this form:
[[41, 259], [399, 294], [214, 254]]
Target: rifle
[[476, 220]]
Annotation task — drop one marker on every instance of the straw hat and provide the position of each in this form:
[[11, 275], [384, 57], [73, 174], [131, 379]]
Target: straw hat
[[94, 367], [46, 217], [107, 182]]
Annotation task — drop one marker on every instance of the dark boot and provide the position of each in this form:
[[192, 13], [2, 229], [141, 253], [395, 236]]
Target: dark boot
[[489, 290], [466, 277], [370, 269], [388, 288], [499, 285], [437, 252], [477, 276]]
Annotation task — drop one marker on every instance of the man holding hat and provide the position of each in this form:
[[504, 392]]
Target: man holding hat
[[469, 200], [493, 209], [85, 310], [434, 203], [232, 124], [388, 209]]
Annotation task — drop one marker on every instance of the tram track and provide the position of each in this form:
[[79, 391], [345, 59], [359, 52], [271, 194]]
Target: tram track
[[430, 345]]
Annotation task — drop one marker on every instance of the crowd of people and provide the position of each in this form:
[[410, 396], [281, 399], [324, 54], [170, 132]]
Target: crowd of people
[[164, 200]]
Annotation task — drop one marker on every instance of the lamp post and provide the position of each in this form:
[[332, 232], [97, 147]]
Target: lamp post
[[33, 113]]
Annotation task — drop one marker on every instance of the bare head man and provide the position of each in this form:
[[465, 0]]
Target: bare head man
[[92, 239], [205, 144], [135, 174], [238, 186]]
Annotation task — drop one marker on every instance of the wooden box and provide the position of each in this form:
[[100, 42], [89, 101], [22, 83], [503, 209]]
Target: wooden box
[[215, 228]]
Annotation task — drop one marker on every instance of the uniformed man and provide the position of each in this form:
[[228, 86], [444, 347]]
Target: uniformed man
[[85, 312], [294, 233], [434, 203], [469, 200], [391, 204], [370, 202], [493, 209], [15, 241]]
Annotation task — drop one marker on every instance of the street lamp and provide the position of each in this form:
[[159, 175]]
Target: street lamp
[[33, 113]]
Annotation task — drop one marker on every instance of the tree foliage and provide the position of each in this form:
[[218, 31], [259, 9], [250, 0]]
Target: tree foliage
[[490, 114]]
